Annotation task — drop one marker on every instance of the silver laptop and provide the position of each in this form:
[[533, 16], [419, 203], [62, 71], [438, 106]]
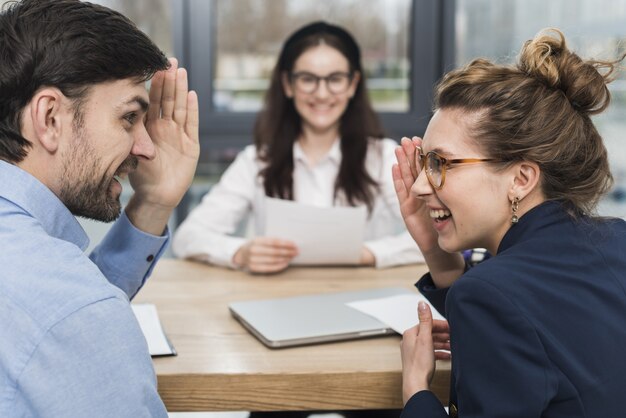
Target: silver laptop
[[311, 319]]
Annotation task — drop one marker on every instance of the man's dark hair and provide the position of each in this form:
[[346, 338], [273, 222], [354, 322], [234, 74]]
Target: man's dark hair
[[67, 44]]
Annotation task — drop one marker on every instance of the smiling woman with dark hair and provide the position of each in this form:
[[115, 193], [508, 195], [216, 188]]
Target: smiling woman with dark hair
[[317, 141]]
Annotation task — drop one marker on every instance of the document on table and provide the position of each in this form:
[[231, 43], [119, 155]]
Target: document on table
[[148, 319], [398, 312], [329, 236]]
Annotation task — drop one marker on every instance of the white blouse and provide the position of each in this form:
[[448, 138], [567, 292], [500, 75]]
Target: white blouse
[[207, 233]]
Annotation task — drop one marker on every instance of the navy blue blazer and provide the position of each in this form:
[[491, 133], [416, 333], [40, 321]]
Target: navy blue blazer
[[540, 329]]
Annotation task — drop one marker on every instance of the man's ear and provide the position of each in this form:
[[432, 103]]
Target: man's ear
[[47, 117], [527, 178]]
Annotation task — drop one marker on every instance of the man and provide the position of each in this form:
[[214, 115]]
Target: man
[[75, 117]]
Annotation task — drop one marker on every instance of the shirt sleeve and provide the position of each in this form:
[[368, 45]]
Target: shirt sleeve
[[101, 368], [501, 367], [127, 255], [437, 297], [395, 250], [207, 233], [399, 248], [424, 404]]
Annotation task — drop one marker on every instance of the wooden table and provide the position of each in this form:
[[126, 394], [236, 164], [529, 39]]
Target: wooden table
[[221, 367]]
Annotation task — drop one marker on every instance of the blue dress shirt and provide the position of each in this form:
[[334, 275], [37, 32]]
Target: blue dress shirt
[[70, 345]]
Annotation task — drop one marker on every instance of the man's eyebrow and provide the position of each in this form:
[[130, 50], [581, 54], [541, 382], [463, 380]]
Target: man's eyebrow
[[140, 101]]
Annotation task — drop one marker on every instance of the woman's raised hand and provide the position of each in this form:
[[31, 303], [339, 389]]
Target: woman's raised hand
[[444, 267], [413, 210]]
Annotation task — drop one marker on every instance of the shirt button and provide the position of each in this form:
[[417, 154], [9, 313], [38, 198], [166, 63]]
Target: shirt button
[[150, 258]]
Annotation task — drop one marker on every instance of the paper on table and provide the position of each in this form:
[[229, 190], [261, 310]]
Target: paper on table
[[398, 312], [323, 235], [148, 319]]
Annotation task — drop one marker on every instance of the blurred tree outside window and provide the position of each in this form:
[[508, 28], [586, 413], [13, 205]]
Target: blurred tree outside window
[[250, 33], [153, 17]]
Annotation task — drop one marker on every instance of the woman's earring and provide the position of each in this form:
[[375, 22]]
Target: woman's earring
[[514, 208]]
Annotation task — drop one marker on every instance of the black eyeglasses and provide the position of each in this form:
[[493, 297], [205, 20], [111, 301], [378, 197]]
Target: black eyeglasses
[[308, 83], [435, 165]]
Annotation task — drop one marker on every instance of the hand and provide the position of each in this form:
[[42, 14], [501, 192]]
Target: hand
[[414, 211], [265, 255], [367, 257], [444, 267], [172, 123], [418, 351]]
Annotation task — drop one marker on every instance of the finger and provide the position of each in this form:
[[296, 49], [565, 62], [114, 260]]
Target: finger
[[417, 141], [411, 148], [409, 151], [192, 125], [442, 346], [440, 340], [269, 259], [398, 183], [442, 355], [267, 268], [426, 321], [180, 97], [440, 336], [441, 325], [261, 249], [169, 90], [156, 91], [258, 259], [276, 242], [405, 167]]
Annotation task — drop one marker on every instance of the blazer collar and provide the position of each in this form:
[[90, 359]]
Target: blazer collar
[[533, 221]]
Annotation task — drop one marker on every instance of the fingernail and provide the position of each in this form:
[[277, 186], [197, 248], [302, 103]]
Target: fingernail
[[421, 306]]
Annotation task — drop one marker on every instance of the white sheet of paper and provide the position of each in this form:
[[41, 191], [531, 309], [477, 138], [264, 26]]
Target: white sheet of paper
[[323, 235], [398, 312], [148, 319]]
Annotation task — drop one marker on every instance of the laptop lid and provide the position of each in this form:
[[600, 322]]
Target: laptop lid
[[300, 320]]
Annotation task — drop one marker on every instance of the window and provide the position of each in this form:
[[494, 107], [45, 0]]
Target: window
[[496, 29], [153, 17], [230, 47], [244, 59]]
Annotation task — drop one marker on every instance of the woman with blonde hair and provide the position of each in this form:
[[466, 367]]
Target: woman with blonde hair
[[512, 162]]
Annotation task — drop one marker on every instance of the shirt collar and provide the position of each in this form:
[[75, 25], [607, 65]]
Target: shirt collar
[[334, 153], [27, 192]]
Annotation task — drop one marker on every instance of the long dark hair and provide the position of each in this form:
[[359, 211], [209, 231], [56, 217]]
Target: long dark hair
[[279, 124]]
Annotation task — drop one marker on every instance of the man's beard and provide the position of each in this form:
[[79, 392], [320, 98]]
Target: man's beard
[[84, 194]]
